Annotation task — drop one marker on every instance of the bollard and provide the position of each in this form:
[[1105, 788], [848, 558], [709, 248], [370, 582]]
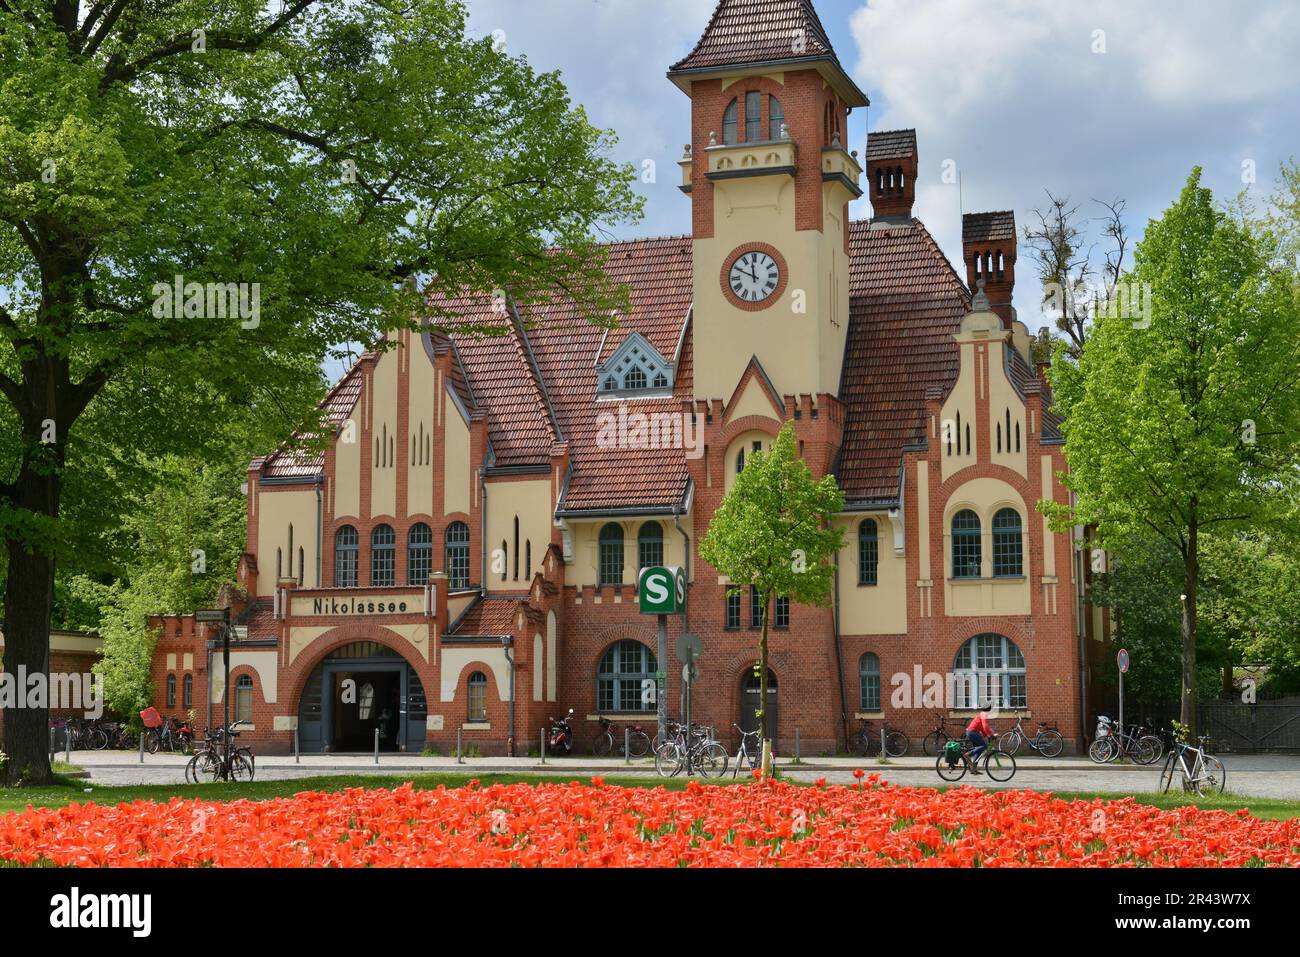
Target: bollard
[[543, 751], [67, 743], [53, 746], [459, 750], [297, 755], [796, 746], [376, 745], [627, 745], [142, 747], [884, 755]]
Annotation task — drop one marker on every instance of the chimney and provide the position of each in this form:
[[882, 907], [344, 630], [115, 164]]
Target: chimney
[[989, 248], [891, 173]]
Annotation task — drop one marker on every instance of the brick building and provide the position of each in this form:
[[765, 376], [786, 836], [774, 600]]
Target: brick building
[[463, 556]]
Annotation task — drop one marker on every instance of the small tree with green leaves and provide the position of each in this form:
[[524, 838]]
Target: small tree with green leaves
[[773, 532]]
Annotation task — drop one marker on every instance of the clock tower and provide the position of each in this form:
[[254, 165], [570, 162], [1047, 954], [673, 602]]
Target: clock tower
[[770, 178]]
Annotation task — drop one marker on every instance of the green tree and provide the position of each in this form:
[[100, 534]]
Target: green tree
[[773, 532], [1183, 420], [290, 166]]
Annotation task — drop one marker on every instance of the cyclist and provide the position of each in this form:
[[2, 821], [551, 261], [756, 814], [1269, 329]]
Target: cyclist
[[977, 734]]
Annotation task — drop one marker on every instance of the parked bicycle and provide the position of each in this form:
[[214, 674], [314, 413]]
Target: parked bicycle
[[867, 742], [174, 735], [211, 763], [936, 739], [699, 751], [1047, 741], [955, 761], [638, 742], [750, 753], [1111, 743], [1205, 775]]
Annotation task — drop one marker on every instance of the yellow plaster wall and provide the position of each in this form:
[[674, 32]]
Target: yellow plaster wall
[[384, 437], [986, 595], [531, 501], [879, 609], [278, 508]]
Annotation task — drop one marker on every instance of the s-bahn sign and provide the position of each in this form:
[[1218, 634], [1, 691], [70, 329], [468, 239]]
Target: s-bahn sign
[[662, 591]]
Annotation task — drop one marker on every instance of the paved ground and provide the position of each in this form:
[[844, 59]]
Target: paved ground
[[1257, 776]]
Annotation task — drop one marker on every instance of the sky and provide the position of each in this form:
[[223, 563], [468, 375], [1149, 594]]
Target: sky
[[1095, 100]]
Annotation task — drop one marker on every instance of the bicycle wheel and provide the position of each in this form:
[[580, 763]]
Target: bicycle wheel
[[1010, 742], [711, 760], [999, 765], [949, 772], [1213, 777], [1102, 750], [1143, 753], [639, 744], [1050, 743], [603, 745], [1167, 775], [933, 743], [896, 744], [241, 769], [203, 768], [668, 759], [1155, 744], [98, 740]]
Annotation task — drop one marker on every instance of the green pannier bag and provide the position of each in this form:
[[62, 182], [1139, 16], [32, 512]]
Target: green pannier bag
[[952, 753]]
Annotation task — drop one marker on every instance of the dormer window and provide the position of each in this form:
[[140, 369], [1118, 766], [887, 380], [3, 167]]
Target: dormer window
[[635, 367]]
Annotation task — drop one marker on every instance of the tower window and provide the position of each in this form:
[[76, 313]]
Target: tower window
[[753, 117], [730, 131], [776, 118]]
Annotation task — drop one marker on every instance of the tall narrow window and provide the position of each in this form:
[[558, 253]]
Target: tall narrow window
[[171, 691], [302, 566], [528, 558], [457, 546], [419, 554], [740, 461], [244, 698], [516, 548], [753, 117], [650, 545], [611, 554], [505, 564], [755, 608], [776, 118], [869, 681], [187, 692], [383, 556], [781, 612], [733, 611], [346, 550], [868, 552], [730, 128], [966, 546], [1008, 548], [478, 697]]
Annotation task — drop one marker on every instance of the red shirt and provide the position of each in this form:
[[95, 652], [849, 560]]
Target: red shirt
[[980, 724]]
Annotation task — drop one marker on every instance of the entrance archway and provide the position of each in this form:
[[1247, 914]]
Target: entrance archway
[[357, 689], [750, 700]]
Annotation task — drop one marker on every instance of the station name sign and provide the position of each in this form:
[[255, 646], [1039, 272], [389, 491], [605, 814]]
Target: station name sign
[[358, 606]]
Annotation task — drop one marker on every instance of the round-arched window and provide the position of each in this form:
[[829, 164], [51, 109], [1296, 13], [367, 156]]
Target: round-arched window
[[990, 670], [621, 678]]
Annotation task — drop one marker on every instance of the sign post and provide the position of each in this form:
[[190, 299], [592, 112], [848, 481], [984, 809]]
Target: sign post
[[689, 648], [662, 592], [221, 618], [1122, 660]]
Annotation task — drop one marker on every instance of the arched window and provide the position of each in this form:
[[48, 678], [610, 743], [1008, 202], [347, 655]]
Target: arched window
[[776, 118], [753, 117], [457, 549], [967, 554], [990, 670], [478, 697], [611, 554], [302, 566], [740, 461], [730, 127], [868, 552], [419, 554], [623, 670], [244, 698], [650, 545], [383, 556], [171, 691], [635, 379], [661, 381], [1008, 554], [611, 384], [869, 681], [187, 692]]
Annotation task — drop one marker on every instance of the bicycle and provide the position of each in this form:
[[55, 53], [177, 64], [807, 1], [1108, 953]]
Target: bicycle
[[750, 752], [1112, 744], [936, 739], [1207, 775], [1047, 741], [700, 750], [952, 765], [174, 735], [868, 744], [211, 762], [638, 742]]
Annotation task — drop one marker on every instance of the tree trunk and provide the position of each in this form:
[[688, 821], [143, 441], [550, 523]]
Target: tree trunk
[[1191, 575], [29, 603]]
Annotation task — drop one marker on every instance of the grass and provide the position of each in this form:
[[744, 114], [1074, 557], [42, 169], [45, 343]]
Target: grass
[[69, 790]]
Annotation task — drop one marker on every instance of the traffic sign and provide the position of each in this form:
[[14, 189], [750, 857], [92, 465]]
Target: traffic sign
[[1122, 659], [662, 591], [689, 648], [690, 674]]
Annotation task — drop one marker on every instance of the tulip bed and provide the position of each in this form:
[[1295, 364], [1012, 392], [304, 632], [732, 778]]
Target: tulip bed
[[771, 823]]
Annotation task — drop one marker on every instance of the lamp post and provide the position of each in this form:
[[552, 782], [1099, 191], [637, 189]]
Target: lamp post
[[221, 618]]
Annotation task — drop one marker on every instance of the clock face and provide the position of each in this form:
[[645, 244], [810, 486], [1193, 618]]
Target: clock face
[[754, 276]]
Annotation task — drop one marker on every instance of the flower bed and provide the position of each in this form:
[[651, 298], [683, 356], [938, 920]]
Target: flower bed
[[768, 824]]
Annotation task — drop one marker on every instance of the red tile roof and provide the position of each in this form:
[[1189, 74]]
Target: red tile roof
[[988, 227], [891, 144], [758, 31], [487, 617], [292, 460]]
